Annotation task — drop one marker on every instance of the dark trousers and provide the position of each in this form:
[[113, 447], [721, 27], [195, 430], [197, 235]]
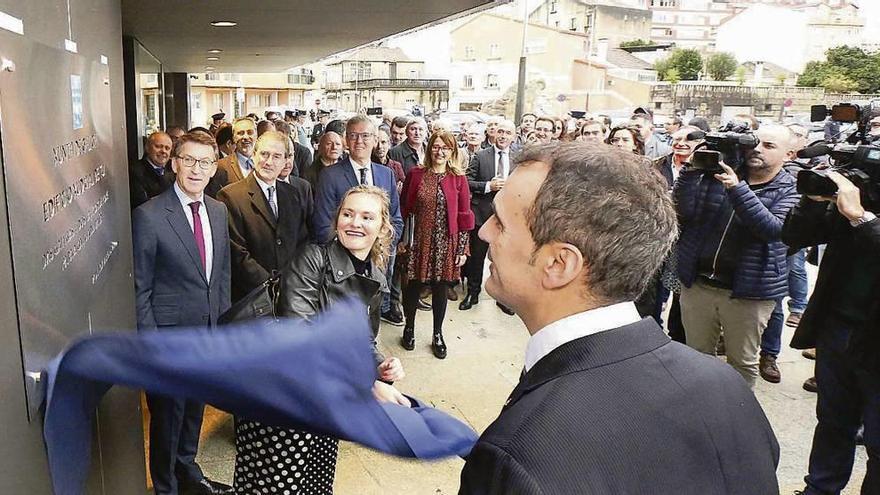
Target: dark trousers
[[473, 267], [674, 325], [393, 278], [771, 339], [848, 396], [174, 441]]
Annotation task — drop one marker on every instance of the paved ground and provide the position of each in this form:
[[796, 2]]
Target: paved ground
[[485, 356]]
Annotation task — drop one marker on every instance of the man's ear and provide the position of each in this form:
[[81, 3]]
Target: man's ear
[[563, 264]]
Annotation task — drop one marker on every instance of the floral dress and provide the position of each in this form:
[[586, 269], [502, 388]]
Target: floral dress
[[435, 255]]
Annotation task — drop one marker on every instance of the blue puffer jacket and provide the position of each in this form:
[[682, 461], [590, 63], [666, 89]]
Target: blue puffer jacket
[[703, 203]]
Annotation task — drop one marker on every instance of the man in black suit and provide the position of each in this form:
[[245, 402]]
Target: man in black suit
[[606, 399], [269, 220], [486, 174], [181, 269], [151, 176]]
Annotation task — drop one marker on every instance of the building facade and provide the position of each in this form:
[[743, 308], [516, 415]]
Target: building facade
[[615, 20]]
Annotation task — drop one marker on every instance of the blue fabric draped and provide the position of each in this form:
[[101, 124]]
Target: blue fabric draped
[[316, 376]]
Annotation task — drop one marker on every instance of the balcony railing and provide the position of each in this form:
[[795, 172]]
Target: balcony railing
[[306, 79], [417, 84]]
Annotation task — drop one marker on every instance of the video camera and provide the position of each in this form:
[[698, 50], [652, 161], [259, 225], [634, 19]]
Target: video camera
[[731, 144], [858, 160]]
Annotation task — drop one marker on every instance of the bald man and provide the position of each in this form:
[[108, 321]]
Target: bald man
[[151, 175]]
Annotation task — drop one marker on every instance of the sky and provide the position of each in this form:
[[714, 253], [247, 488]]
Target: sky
[[871, 13]]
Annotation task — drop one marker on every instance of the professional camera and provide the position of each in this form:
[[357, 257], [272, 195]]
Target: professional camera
[[730, 144], [842, 112], [858, 163]]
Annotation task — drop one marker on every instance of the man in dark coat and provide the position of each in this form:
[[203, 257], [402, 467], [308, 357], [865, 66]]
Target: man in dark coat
[[841, 322], [606, 399], [412, 151], [731, 258], [151, 175], [269, 220], [487, 172], [181, 278]]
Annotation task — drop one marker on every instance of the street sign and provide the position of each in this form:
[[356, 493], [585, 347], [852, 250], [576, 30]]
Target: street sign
[[561, 98], [788, 102]]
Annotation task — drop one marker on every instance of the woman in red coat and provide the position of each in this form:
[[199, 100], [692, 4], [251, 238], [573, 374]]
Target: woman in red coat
[[436, 194]]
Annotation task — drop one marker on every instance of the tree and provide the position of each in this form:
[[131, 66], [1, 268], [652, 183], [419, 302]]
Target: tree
[[672, 76], [688, 62], [741, 75], [844, 67], [634, 43], [781, 78], [721, 66]]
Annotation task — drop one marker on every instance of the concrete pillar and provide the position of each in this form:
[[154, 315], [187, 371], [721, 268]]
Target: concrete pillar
[[177, 88]]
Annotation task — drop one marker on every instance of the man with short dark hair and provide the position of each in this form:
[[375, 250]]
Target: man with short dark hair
[[527, 124], [412, 151], [577, 232], [151, 175], [545, 128], [225, 145], [654, 147], [397, 132], [181, 279], [731, 258]]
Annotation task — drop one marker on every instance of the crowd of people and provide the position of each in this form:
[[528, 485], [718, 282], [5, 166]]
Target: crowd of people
[[590, 225]]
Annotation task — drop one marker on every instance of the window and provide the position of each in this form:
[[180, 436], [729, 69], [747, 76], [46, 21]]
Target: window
[[468, 81], [217, 101], [413, 74], [554, 5], [196, 101], [556, 24], [572, 26], [469, 53], [492, 81], [493, 51]]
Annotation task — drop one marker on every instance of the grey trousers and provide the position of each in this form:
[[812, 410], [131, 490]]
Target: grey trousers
[[707, 310]]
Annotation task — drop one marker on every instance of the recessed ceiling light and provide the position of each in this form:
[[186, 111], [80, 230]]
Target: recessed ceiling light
[[209, 68], [215, 50], [212, 59], [224, 23]]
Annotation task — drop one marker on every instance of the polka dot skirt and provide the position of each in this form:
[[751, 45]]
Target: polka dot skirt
[[278, 461]]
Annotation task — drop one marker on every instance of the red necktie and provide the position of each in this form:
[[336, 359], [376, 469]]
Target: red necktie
[[197, 231]]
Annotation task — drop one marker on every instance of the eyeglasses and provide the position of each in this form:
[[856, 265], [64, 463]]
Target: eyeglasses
[[437, 148], [190, 162], [359, 136], [265, 155], [591, 133]]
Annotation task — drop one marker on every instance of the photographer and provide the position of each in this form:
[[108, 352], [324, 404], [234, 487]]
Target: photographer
[[731, 259], [841, 322]]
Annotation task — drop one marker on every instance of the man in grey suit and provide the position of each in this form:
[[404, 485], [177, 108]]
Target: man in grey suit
[[606, 400], [486, 173], [182, 279]]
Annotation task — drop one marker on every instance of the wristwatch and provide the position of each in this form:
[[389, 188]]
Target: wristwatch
[[865, 218]]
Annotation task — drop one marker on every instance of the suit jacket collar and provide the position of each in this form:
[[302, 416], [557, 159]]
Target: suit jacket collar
[[259, 201], [177, 218], [218, 219], [591, 352]]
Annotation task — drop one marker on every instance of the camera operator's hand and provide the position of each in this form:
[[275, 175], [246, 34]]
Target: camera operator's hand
[[728, 178], [847, 199]]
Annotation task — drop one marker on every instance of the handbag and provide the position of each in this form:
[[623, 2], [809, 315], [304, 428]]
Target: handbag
[[407, 238], [258, 303]]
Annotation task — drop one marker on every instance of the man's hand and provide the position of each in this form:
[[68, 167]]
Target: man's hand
[[496, 184], [848, 198], [387, 393], [728, 178], [391, 370], [461, 261]]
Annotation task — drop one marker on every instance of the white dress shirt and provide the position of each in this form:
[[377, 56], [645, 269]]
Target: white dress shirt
[[265, 188], [357, 171], [206, 225], [579, 325], [505, 166], [242, 164]]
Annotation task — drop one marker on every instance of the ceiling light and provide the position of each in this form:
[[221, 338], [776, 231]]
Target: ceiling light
[[209, 68], [224, 23], [212, 59], [215, 50]]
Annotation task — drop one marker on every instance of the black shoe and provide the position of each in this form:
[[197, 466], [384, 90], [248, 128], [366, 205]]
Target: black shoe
[[408, 341], [422, 305], [393, 317], [438, 346], [206, 487], [469, 301], [810, 385], [504, 308]]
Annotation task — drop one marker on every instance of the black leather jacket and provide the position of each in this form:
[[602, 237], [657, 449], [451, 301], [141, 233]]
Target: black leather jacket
[[320, 275]]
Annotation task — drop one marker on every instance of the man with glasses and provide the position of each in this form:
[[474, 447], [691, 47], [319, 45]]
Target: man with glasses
[[181, 277], [268, 218], [412, 151], [487, 172], [336, 180], [238, 165]]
